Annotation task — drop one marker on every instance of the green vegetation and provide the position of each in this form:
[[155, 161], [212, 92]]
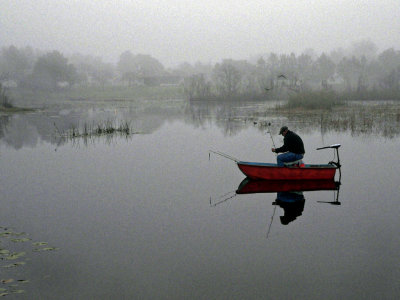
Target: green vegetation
[[15, 249], [359, 73], [88, 131], [97, 93], [126, 93], [325, 99], [373, 94]]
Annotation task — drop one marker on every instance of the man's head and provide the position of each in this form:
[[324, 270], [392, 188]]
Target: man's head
[[283, 130]]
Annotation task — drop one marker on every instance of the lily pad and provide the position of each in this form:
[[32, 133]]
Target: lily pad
[[18, 233], [23, 281], [17, 264], [39, 243], [46, 249], [4, 281], [15, 255], [22, 240], [4, 252]]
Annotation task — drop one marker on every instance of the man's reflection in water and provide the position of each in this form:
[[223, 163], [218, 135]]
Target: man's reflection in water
[[292, 204]]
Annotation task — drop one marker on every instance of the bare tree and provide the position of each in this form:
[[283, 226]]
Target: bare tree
[[196, 87], [227, 79]]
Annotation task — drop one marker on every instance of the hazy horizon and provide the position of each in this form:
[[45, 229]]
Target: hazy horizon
[[175, 31]]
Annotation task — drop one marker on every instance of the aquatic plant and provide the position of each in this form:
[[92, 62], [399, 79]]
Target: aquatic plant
[[12, 257], [325, 99], [92, 130]]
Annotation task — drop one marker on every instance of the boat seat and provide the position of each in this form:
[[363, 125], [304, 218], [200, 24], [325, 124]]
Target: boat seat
[[297, 163]]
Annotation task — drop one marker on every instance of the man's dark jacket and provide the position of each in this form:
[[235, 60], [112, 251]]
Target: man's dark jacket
[[292, 143]]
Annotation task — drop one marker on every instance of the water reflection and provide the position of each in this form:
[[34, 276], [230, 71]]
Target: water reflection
[[142, 202], [292, 204], [289, 194], [362, 119], [4, 120]]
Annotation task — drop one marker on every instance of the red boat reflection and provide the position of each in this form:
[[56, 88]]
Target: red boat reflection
[[249, 186], [289, 194]]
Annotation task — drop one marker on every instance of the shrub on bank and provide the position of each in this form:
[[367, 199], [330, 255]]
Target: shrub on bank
[[5, 101], [325, 99]]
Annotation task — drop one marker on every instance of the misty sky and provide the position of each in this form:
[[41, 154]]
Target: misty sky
[[174, 31]]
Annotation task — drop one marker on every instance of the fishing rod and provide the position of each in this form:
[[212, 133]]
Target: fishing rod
[[223, 155], [269, 131]]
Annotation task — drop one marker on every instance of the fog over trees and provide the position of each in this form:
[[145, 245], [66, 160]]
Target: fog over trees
[[359, 72]]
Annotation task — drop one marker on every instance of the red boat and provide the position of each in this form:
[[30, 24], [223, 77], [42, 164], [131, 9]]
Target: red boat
[[267, 171], [298, 171]]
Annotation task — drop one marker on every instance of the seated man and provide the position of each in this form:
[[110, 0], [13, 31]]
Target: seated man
[[292, 146]]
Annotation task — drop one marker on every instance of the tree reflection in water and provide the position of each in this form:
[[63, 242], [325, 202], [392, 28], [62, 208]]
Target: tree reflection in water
[[357, 118]]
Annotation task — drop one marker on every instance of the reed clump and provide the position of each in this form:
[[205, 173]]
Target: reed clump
[[325, 99], [92, 130]]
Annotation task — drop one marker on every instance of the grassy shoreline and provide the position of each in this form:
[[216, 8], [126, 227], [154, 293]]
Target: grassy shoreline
[[24, 100], [15, 109], [110, 93], [325, 100]]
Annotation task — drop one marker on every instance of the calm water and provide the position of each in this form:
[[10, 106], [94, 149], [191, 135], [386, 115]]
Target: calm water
[[145, 217]]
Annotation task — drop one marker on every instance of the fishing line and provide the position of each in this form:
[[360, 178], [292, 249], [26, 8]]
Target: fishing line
[[272, 219], [225, 197]]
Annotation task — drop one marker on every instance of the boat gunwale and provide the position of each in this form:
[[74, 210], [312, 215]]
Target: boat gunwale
[[272, 165]]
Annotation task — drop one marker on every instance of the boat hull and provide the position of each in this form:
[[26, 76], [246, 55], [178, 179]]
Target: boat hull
[[265, 171]]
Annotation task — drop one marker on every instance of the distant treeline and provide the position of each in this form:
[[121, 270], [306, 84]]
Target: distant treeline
[[357, 73], [360, 73]]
